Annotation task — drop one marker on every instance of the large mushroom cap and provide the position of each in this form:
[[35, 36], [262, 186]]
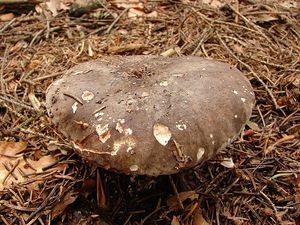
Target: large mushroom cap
[[148, 114]]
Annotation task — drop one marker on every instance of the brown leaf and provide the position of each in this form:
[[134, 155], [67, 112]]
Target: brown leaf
[[13, 166], [173, 201], [18, 46], [198, 218], [59, 208], [175, 221], [6, 17], [10, 148], [281, 140], [33, 64]]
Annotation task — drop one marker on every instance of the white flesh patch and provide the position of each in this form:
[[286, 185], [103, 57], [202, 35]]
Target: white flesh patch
[[164, 83], [181, 126], [211, 136], [235, 116], [161, 133], [235, 92], [243, 99]]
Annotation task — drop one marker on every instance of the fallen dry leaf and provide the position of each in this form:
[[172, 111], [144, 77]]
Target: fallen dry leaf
[[228, 163], [18, 46], [10, 148], [6, 17], [34, 101], [281, 140], [13, 167], [198, 218], [33, 64], [173, 201], [175, 221], [125, 4], [59, 208]]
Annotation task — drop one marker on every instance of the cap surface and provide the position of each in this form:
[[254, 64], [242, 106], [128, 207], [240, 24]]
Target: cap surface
[[149, 114]]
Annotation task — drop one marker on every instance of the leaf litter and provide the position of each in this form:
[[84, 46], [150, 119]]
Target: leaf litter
[[261, 38]]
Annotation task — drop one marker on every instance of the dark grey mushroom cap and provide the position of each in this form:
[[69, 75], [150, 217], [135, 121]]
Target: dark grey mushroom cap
[[149, 114]]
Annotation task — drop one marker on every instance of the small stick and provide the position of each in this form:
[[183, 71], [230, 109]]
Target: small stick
[[175, 191], [251, 24], [47, 76], [11, 171], [115, 21], [269, 200], [251, 70], [17, 103], [98, 110], [237, 19], [73, 97], [7, 25], [4, 220], [2, 71]]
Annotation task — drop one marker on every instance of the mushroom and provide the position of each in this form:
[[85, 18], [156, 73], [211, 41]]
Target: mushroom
[[150, 115]]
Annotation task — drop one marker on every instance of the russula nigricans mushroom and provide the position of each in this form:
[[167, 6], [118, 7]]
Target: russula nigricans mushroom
[[149, 114]]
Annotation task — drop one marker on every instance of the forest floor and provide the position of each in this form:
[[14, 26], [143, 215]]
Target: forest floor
[[42, 181]]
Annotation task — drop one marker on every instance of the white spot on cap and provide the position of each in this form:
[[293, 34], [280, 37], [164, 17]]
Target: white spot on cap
[[99, 114], [119, 127], [251, 93], [128, 131], [161, 133], [181, 126], [200, 153], [134, 168], [203, 68], [87, 96], [74, 107], [235, 116], [243, 99], [103, 132], [235, 92], [163, 83], [101, 129], [122, 121], [213, 142], [229, 140], [129, 149], [211, 136]]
